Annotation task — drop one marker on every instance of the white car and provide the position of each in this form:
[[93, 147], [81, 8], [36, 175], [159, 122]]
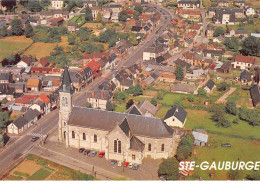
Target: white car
[[119, 164], [130, 166]]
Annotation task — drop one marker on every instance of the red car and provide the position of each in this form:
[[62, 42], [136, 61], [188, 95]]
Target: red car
[[126, 164], [101, 154]]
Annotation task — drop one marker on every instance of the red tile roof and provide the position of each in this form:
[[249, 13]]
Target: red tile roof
[[41, 69], [94, 66], [26, 99], [44, 62], [26, 59], [44, 98], [245, 59]]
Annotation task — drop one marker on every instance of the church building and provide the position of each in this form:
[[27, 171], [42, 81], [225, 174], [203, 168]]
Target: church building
[[122, 136]]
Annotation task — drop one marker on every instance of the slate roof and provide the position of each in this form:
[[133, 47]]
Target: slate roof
[[182, 63], [134, 110], [245, 75], [20, 122], [66, 85], [183, 88], [146, 106], [136, 144], [255, 95], [210, 84], [107, 120], [200, 136], [177, 112], [125, 127], [99, 94], [30, 114]]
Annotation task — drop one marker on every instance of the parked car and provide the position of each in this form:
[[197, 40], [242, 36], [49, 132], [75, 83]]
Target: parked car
[[93, 153], [126, 164], [101, 154], [225, 145], [130, 166], [113, 162], [87, 152], [136, 166], [35, 138], [81, 150], [119, 164], [163, 177]]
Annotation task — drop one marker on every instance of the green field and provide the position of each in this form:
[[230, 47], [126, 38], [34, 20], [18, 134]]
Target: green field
[[12, 45]]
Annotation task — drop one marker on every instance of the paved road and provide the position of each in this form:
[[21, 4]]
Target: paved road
[[49, 122]]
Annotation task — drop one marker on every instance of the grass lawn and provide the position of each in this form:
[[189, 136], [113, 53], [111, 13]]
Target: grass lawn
[[241, 97], [198, 119], [45, 48], [162, 111], [244, 150], [77, 19], [13, 45], [92, 25], [170, 99], [120, 107], [41, 174]]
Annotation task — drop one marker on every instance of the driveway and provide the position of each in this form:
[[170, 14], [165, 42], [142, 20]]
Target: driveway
[[222, 99]]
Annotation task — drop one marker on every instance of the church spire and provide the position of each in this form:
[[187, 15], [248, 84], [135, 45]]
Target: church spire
[[66, 85]]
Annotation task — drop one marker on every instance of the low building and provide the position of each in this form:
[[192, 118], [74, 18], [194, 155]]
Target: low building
[[255, 95], [99, 98], [243, 62], [245, 77], [175, 117], [17, 126], [33, 85], [209, 86], [200, 138], [183, 88], [147, 109]]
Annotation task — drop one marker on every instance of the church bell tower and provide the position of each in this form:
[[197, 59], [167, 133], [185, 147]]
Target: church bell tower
[[66, 91]]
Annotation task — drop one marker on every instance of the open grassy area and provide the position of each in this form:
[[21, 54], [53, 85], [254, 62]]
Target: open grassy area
[[12, 45], [241, 97], [41, 49], [77, 19], [37, 168], [92, 25]]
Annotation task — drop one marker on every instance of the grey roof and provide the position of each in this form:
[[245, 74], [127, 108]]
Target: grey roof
[[134, 110], [178, 112], [188, 88], [255, 95], [99, 94], [20, 122], [125, 127], [30, 114], [210, 84], [146, 106], [245, 75], [66, 85], [200, 136], [107, 120], [136, 144], [182, 63]]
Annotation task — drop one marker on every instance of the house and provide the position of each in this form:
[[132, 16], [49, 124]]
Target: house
[[95, 67], [25, 100], [31, 116], [24, 62], [72, 27], [99, 98], [17, 126], [57, 4], [257, 77], [209, 86], [47, 103], [245, 77], [33, 85], [255, 95], [200, 138], [175, 117], [122, 136], [44, 62], [223, 3], [56, 22], [239, 3], [225, 68], [183, 88], [6, 92], [243, 62], [123, 80], [216, 54], [189, 4], [6, 78], [147, 109]]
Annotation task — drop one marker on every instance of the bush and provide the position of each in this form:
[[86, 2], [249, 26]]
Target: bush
[[119, 96], [154, 101], [202, 92], [190, 98], [160, 95], [170, 168], [222, 86]]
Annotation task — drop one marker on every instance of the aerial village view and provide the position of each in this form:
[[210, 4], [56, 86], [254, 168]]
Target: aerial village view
[[129, 90]]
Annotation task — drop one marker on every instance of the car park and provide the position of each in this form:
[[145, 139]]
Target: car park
[[93, 153], [126, 164], [119, 164], [101, 154], [130, 166], [81, 150], [87, 152], [136, 166], [35, 138], [113, 162]]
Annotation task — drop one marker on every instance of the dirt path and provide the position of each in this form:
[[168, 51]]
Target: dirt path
[[222, 99]]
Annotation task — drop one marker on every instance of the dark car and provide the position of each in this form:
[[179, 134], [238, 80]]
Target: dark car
[[113, 162], [93, 153], [87, 152], [35, 138], [136, 166], [81, 150], [225, 145]]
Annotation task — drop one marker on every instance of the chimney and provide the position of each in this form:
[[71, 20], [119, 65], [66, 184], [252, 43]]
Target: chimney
[[92, 94]]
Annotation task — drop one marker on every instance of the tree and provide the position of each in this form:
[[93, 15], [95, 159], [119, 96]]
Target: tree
[[129, 103], [185, 147], [135, 90], [219, 31], [120, 96], [3, 32], [139, 8], [91, 48], [122, 16], [232, 44], [8, 4], [84, 34], [110, 106], [99, 17], [80, 3], [251, 46], [231, 107], [170, 168], [133, 40], [28, 30], [71, 39], [136, 15], [190, 98], [179, 73], [4, 118], [16, 27], [88, 105], [220, 117], [88, 14], [71, 5], [254, 175], [202, 92], [34, 6], [234, 175], [160, 95], [154, 101], [222, 86]]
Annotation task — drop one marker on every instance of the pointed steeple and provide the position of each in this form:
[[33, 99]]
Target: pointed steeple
[[66, 85]]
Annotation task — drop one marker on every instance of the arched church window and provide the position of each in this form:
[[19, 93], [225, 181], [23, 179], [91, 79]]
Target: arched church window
[[95, 138], [84, 136], [73, 134]]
